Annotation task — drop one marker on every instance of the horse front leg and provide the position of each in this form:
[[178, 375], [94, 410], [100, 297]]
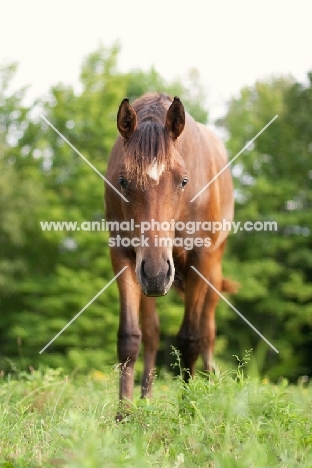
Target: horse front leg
[[150, 338], [188, 338], [129, 333], [207, 320]]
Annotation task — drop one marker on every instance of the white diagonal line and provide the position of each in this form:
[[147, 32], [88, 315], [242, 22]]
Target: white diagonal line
[[235, 310], [230, 162], [82, 156], [82, 310]]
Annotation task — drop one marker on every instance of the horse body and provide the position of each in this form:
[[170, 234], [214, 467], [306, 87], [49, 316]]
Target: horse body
[[160, 161]]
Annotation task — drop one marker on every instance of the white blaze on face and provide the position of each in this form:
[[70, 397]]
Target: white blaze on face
[[155, 170]]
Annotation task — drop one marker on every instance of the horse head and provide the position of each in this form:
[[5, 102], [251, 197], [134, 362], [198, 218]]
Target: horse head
[[152, 178]]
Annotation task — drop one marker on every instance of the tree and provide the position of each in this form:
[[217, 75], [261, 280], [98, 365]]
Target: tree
[[272, 181]]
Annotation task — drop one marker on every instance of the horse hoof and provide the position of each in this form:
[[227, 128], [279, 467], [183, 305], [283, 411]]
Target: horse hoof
[[122, 416], [119, 418]]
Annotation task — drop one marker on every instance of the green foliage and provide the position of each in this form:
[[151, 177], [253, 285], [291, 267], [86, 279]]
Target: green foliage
[[228, 420], [273, 182]]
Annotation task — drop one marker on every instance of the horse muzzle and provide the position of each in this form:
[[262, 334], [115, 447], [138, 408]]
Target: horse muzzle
[[155, 277]]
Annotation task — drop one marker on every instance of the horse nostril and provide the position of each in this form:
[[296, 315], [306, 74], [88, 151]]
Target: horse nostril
[[142, 267], [169, 269]]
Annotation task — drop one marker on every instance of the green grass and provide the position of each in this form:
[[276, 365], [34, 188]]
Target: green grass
[[48, 420]]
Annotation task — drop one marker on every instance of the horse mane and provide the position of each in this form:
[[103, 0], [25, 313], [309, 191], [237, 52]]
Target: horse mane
[[151, 141]]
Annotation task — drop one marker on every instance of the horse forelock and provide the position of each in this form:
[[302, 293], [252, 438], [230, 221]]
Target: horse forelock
[[148, 153]]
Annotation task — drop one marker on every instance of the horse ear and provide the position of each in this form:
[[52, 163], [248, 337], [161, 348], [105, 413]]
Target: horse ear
[[175, 118], [126, 119]]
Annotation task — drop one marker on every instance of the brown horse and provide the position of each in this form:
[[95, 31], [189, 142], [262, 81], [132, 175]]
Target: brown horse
[[161, 161]]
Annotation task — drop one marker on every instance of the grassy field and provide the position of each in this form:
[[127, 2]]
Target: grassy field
[[50, 420]]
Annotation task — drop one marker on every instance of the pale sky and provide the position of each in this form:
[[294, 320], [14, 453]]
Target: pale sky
[[231, 43]]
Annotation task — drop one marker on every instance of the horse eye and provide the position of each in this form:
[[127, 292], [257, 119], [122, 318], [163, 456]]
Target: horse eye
[[184, 182], [123, 183]]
